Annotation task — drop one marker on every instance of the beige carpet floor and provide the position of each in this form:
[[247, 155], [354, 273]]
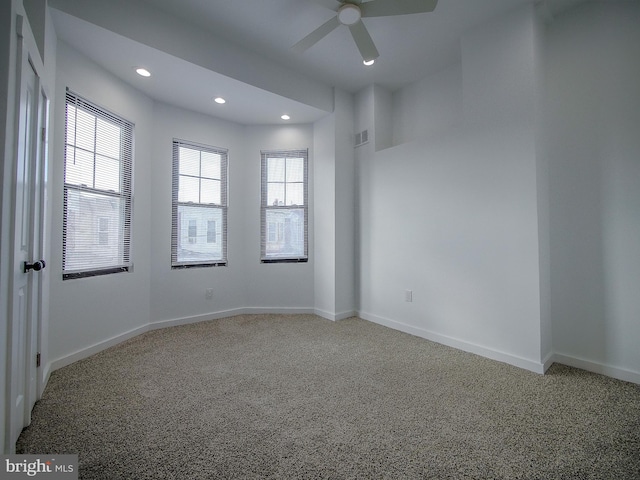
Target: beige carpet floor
[[277, 396]]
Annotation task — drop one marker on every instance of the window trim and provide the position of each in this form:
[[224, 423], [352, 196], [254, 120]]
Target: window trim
[[264, 207], [223, 207], [125, 194]]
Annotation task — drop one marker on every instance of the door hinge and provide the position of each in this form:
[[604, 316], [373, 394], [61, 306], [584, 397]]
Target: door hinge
[[44, 134], [38, 360]]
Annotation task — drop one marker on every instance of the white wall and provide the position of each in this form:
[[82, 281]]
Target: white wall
[[324, 209], [37, 11], [383, 117], [180, 294], [499, 70], [593, 118], [334, 211], [428, 107], [87, 311], [453, 216], [345, 206], [275, 286], [542, 184], [364, 118], [520, 168]]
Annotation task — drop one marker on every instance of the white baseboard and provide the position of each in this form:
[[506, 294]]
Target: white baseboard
[[228, 313], [334, 316], [277, 311], [44, 379], [550, 358], [96, 347], [548, 361], [457, 343], [596, 367], [195, 319], [110, 342]]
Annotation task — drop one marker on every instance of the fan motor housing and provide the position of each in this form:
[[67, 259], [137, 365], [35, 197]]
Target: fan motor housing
[[349, 14]]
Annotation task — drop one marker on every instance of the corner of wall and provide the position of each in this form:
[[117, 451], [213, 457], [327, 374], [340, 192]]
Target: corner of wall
[[382, 117]]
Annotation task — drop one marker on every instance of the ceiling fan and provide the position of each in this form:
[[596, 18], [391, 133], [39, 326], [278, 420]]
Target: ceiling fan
[[351, 13]]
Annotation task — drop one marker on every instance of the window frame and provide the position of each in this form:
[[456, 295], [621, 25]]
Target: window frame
[[125, 193], [222, 207], [265, 227]]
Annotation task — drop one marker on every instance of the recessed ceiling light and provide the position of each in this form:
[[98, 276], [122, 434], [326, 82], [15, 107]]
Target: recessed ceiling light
[[369, 62], [285, 117], [219, 100], [143, 72]]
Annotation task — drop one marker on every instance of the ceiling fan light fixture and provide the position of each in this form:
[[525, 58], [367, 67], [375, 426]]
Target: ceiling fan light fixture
[[369, 62], [285, 117], [349, 14], [219, 100]]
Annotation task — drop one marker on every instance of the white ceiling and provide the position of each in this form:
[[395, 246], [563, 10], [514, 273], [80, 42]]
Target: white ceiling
[[176, 81], [411, 47]]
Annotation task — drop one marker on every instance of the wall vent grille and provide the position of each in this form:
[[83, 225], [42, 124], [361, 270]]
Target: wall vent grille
[[362, 137]]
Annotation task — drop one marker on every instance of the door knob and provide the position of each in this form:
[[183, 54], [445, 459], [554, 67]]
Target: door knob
[[36, 266]]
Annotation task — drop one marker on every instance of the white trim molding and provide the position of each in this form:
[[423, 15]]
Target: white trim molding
[[95, 348], [486, 352], [115, 340], [334, 316], [226, 314], [597, 367], [520, 362]]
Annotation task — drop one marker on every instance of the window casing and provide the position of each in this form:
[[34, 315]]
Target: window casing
[[199, 206], [98, 196], [284, 206]]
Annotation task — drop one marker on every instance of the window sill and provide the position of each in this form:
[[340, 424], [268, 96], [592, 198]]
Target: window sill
[[94, 273], [284, 260], [198, 265]]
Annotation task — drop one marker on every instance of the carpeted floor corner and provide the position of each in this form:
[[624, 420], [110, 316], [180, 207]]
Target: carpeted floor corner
[[297, 396]]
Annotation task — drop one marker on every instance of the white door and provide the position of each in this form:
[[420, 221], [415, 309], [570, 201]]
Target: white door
[[27, 245]]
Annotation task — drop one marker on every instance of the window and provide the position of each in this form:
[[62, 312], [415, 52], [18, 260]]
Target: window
[[199, 219], [211, 231], [97, 190], [193, 231], [103, 231], [284, 209]]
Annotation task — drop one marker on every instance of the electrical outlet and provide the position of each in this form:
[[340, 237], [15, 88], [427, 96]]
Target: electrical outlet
[[408, 296], [208, 293]]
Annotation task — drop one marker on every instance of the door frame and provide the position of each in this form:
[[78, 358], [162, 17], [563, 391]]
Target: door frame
[[33, 382]]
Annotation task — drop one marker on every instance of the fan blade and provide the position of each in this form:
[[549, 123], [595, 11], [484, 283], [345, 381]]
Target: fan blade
[[364, 42], [317, 35], [386, 8]]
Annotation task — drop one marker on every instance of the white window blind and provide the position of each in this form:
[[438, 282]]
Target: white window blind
[[284, 206], [97, 190], [199, 205]]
